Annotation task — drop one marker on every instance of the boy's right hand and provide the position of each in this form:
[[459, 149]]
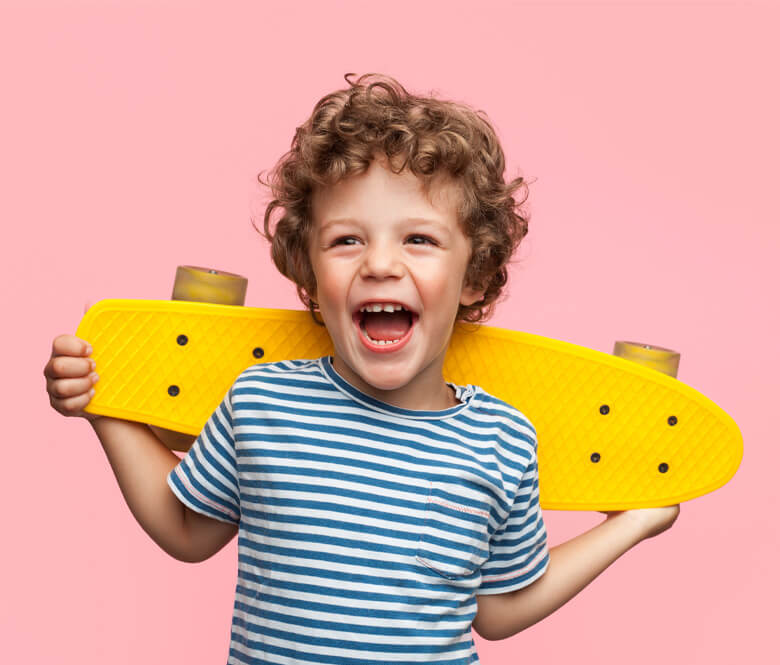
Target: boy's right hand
[[70, 376]]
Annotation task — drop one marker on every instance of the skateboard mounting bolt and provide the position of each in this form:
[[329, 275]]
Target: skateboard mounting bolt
[[181, 340], [672, 420], [212, 271], [595, 457], [604, 410], [663, 467], [257, 352], [173, 390]]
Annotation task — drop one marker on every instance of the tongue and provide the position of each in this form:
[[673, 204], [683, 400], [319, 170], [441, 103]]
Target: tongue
[[386, 325]]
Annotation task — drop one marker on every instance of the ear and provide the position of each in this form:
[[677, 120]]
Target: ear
[[469, 295], [310, 294]]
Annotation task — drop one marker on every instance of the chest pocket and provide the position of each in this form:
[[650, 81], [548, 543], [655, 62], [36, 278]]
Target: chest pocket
[[454, 539]]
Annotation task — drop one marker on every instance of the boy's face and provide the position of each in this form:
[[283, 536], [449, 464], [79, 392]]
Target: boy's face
[[378, 241]]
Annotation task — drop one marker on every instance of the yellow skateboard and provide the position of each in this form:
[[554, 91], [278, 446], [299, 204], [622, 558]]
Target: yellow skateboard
[[614, 433]]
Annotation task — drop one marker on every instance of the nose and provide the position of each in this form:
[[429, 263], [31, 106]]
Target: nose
[[381, 261]]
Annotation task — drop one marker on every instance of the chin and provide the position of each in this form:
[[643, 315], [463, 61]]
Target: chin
[[386, 383], [385, 380]]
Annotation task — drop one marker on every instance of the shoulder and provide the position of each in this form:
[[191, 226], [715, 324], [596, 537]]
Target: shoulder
[[279, 369], [513, 431], [283, 376], [500, 412]]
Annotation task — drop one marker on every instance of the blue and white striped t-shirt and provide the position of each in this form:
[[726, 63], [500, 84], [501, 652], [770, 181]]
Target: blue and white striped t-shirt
[[365, 530]]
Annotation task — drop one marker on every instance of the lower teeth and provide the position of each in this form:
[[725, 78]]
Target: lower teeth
[[381, 342]]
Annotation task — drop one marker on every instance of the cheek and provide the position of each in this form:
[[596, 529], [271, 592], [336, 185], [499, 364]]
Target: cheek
[[329, 286], [320, 277]]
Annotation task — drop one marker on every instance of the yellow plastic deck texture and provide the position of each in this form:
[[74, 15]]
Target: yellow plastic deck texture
[[612, 434]]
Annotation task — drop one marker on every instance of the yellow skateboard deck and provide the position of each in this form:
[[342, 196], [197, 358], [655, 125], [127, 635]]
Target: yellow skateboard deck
[[613, 434]]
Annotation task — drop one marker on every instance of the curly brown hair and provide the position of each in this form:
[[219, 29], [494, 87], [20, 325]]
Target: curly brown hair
[[435, 139]]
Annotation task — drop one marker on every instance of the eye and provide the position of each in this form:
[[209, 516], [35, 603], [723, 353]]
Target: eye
[[420, 240], [345, 240]]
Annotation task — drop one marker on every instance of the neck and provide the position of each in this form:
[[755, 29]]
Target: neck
[[425, 393]]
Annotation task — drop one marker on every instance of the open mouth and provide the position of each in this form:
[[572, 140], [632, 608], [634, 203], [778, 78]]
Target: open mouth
[[384, 325]]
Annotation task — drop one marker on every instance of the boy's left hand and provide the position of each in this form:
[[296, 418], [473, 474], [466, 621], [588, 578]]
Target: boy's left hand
[[650, 521]]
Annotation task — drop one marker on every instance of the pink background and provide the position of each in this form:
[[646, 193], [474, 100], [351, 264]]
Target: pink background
[[131, 137]]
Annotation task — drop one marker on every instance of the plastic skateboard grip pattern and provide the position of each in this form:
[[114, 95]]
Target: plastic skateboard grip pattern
[[612, 434]]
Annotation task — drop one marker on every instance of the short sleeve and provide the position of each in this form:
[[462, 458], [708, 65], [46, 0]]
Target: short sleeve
[[206, 479], [518, 550]]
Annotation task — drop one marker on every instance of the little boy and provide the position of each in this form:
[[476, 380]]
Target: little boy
[[381, 511]]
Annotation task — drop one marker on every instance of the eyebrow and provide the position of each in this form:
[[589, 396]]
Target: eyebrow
[[350, 220]]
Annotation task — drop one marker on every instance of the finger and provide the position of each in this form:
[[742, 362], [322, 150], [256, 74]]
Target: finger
[[72, 406], [66, 367], [65, 388], [70, 345]]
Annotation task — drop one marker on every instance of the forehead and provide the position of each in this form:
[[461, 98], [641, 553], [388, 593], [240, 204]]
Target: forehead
[[381, 193]]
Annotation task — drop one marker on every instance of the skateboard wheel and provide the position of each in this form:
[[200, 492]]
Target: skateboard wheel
[[209, 285], [654, 357]]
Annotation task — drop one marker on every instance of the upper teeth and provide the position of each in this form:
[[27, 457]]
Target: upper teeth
[[381, 307]]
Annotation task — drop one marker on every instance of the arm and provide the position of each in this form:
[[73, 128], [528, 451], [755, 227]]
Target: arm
[[138, 458], [141, 464], [173, 440], [573, 565]]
